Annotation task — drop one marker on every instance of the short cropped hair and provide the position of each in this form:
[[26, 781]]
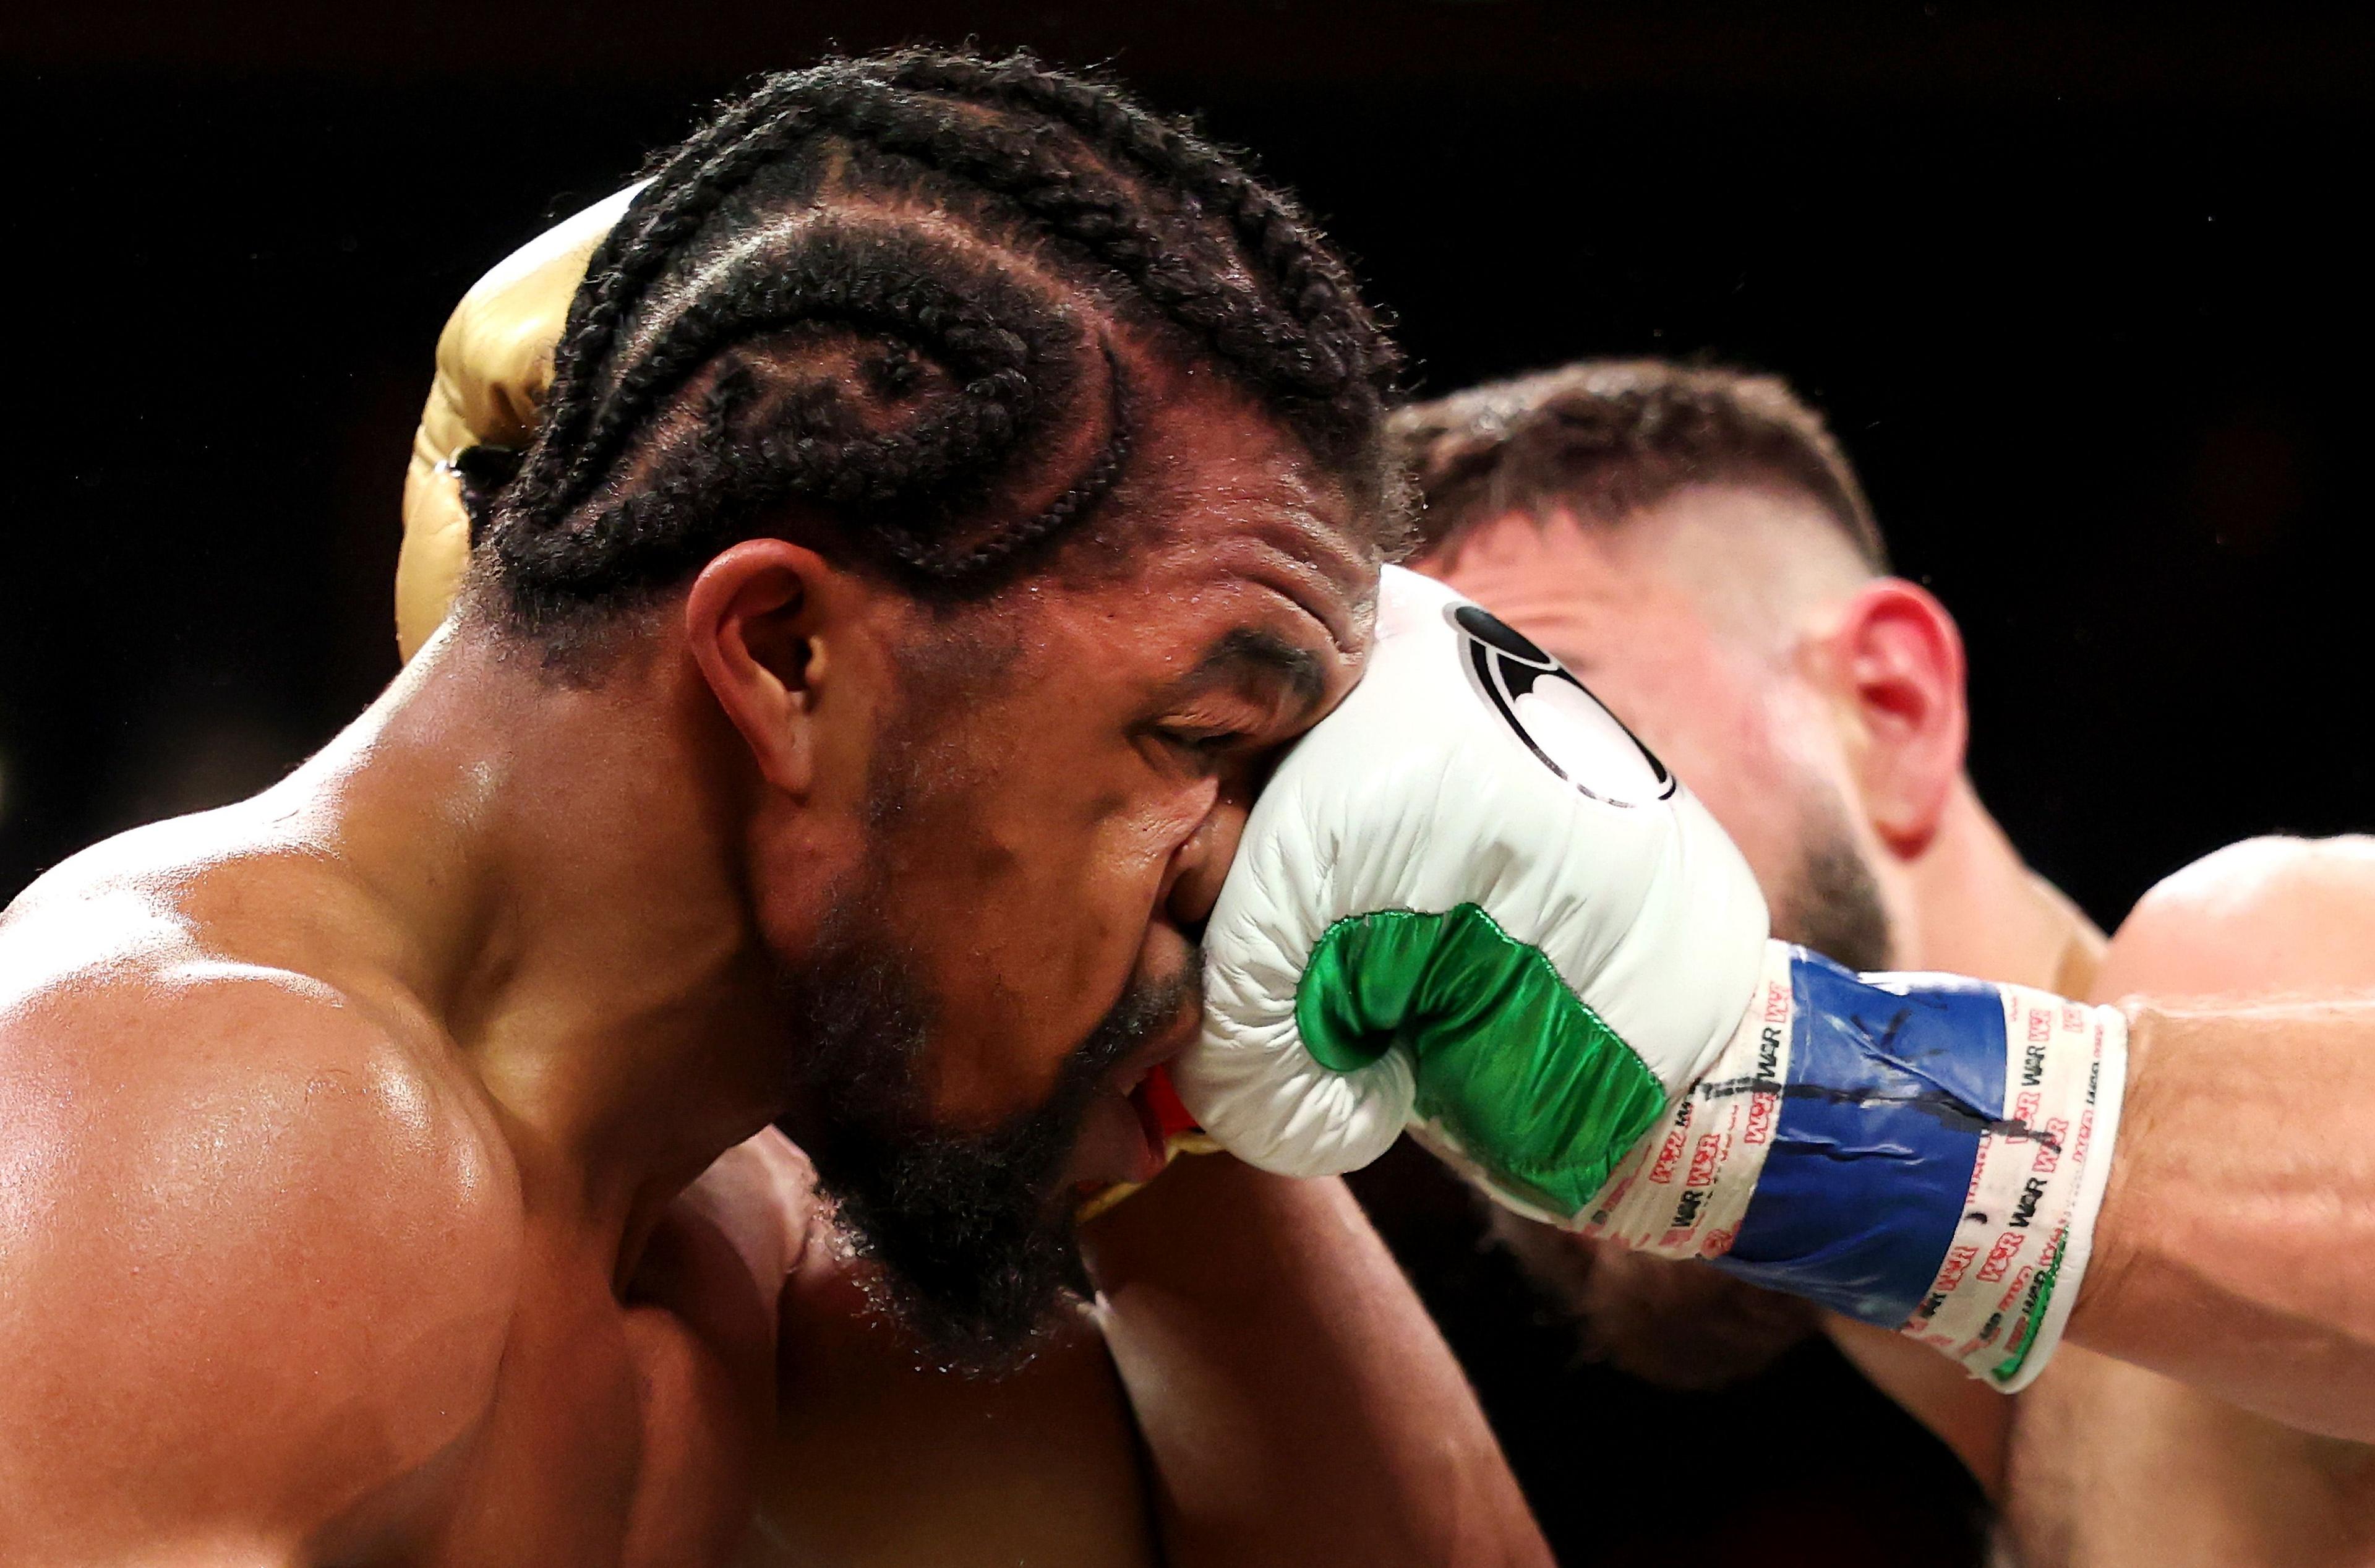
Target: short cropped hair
[[1603, 439]]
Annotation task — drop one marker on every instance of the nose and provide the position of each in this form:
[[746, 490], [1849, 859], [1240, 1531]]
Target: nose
[[1202, 863]]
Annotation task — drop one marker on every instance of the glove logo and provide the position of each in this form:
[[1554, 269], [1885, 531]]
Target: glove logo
[[1559, 720]]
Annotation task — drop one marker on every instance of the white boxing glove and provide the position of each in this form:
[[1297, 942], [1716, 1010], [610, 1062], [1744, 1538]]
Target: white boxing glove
[[1470, 903]]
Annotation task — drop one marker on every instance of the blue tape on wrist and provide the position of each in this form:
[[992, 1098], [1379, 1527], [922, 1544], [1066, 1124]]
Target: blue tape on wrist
[[1886, 1096]]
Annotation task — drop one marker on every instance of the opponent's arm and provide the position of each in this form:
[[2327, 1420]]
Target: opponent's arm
[[1297, 1405], [2228, 1252], [2232, 1249], [250, 1290], [1469, 903]]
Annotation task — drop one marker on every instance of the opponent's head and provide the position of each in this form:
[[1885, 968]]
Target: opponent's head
[[1693, 544], [1008, 463]]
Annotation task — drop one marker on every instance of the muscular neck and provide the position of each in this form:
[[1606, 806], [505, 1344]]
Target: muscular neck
[[560, 881], [1976, 909]]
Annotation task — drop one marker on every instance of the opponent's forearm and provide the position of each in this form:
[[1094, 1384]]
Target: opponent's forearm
[[1298, 1407], [2233, 1246]]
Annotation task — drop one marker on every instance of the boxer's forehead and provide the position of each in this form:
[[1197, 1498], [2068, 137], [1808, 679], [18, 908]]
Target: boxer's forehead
[[1220, 496], [1225, 563], [1250, 571], [1561, 581], [1275, 528], [1617, 616], [1742, 564], [1258, 629]]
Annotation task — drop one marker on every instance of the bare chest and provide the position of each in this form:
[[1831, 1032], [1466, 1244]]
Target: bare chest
[[2113, 1465]]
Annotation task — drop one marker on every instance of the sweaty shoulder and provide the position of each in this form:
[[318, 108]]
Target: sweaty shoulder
[[2267, 916], [256, 1247]]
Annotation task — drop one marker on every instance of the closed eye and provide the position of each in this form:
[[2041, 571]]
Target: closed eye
[[1252, 692], [1205, 746]]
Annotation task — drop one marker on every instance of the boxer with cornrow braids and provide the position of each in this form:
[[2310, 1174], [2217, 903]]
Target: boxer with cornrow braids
[[607, 1105], [884, 293]]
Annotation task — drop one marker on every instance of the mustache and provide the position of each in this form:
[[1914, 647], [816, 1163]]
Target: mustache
[[1142, 1012], [1036, 1143]]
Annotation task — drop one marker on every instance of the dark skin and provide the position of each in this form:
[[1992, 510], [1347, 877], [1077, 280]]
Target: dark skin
[[353, 1123], [1258, 1387]]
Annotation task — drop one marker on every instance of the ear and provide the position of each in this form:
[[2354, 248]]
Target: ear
[[1896, 666], [755, 623]]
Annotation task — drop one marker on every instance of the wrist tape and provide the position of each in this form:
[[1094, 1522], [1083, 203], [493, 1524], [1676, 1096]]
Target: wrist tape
[[1923, 1152]]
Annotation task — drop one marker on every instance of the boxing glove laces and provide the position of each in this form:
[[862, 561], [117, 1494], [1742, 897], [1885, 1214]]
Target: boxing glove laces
[[1471, 904]]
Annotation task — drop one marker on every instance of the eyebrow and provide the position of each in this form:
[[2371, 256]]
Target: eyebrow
[[1251, 652]]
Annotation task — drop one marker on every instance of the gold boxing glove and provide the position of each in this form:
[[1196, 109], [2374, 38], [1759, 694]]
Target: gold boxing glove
[[494, 365]]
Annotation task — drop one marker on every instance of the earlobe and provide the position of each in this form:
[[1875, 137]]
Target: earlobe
[[1899, 665], [752, 625]]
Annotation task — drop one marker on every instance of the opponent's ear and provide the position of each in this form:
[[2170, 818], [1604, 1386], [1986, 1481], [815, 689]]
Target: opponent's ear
[[754, 620], [1896, 663]]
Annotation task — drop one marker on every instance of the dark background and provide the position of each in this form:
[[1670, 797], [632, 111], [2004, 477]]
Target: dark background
[[2075, 284]]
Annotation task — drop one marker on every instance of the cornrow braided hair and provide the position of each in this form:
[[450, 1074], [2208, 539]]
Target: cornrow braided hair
[[855, 297], [1607, 438]]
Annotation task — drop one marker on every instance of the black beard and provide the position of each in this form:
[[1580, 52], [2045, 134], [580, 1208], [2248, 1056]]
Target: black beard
[[1833, 905], [973, 1231]]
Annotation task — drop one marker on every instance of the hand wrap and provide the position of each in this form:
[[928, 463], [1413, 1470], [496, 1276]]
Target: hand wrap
[[1469, 903], [1921, 1152]]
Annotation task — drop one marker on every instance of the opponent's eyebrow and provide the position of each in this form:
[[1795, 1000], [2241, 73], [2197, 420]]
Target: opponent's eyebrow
[[1253, 656]]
